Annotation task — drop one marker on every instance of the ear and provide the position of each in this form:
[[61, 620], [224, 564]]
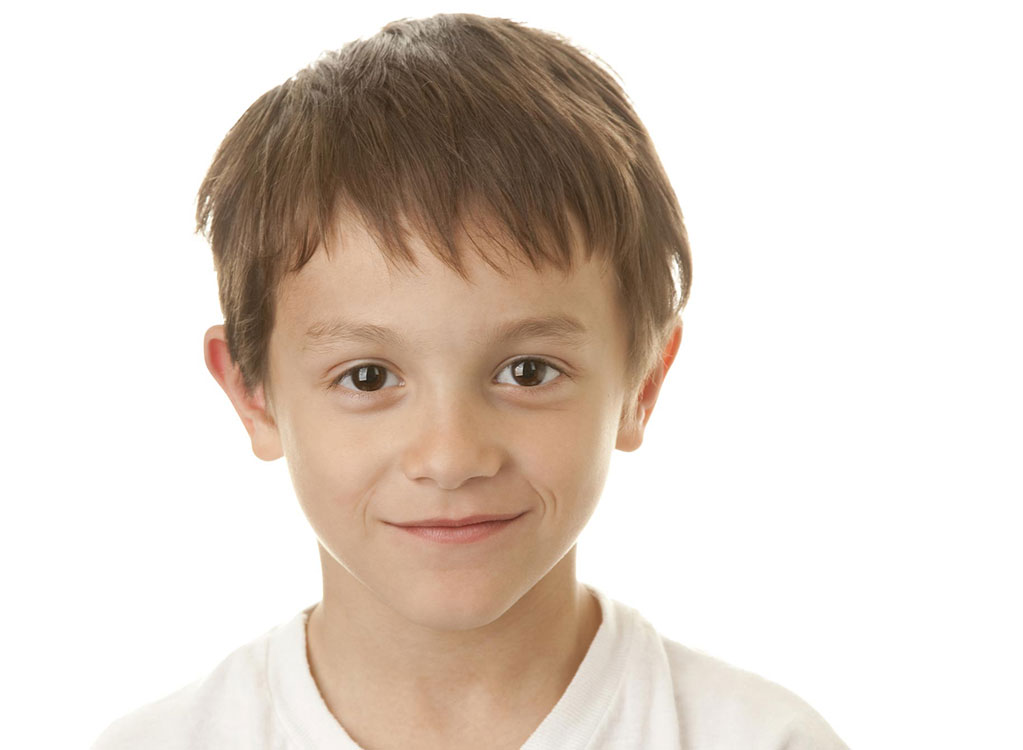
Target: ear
[[636, 414], [251, 407]]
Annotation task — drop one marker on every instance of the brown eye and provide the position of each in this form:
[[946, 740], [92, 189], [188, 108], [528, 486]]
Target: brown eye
[[366, 378], [369, 378], [531, 372]]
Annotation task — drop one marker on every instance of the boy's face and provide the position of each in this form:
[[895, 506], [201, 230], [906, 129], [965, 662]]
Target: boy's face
[[445, 420]]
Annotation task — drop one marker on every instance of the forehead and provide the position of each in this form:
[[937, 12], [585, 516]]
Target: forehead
[[355, 286]]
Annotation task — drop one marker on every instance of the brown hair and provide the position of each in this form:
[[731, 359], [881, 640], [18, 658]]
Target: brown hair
[[417, 126]]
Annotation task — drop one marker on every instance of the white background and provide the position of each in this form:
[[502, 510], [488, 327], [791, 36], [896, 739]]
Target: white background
[[827, 495]]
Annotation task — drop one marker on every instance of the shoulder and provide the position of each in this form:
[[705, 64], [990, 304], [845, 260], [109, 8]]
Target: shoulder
[[720, 705], [229, 707]]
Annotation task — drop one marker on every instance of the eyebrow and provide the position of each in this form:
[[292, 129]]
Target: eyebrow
[[562, 329]]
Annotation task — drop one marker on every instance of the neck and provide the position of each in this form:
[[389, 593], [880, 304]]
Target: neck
[[372, 663]]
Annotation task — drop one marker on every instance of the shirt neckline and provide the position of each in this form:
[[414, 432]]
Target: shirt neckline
[[304, 715]]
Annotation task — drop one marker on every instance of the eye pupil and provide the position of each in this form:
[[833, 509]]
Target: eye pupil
[[530, 370], [369, 378]]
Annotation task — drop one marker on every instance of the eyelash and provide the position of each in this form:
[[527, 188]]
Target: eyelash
[[335, 383]]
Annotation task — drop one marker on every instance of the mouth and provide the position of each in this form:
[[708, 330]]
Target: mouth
[[451, 522], [459, 531]]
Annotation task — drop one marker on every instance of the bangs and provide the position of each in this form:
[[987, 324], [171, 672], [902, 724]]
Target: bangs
[[400, 136]]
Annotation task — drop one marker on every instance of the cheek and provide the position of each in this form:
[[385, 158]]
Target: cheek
[[567, 459], [334, 465]]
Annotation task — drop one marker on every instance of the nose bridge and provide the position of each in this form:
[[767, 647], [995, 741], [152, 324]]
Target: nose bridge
[[454, 438]]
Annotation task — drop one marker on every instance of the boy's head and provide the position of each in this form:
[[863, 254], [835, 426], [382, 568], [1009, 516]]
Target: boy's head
[[433, 127], [451, 268]]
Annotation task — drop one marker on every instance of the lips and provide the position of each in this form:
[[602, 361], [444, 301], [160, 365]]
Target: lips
[[465, 530], [451, 522]]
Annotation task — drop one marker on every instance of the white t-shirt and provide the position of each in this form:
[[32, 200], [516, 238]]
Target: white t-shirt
[[634, 689]]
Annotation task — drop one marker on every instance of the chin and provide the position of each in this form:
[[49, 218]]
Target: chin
[[456, 604]]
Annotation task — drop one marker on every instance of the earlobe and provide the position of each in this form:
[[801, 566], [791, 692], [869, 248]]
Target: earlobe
[[250, 406], [637, 413]]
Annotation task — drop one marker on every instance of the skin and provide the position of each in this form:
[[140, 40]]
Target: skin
[[415, 643]]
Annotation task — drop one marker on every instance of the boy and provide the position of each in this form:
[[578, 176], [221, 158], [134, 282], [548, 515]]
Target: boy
[[451, 268]]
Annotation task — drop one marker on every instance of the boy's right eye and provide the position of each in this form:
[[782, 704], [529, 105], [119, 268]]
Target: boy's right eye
[[366, 378]]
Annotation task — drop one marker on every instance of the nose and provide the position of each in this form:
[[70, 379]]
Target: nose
[[452, 442]]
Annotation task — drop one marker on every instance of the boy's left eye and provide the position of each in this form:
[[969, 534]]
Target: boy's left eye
[[531, 371]]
